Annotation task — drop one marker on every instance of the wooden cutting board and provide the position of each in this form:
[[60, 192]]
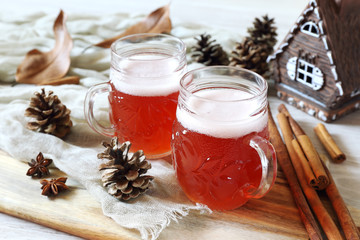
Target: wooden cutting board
[[76, 212]]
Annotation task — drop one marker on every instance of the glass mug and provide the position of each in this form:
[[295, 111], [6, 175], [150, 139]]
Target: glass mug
[[220, 148], [143, 91]]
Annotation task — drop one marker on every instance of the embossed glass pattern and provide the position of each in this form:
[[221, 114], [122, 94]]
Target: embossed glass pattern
[[221, 152]]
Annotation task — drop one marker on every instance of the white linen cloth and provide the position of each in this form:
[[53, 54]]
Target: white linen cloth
[[76, 154]]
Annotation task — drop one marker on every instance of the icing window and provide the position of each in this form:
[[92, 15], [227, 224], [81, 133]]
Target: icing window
[[310, 28], [304, 72]]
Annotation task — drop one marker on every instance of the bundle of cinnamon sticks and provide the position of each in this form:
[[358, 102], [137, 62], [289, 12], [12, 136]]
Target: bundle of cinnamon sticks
[[306, 173]]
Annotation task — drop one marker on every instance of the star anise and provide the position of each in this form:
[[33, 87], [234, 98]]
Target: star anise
[[39, 167], [54, 186]]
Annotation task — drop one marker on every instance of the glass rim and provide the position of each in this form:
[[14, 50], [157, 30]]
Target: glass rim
[[180, 52], [262, 89]]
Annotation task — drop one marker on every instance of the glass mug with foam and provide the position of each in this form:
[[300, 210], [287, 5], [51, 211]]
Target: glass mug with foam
[[220, 148], [143, 91]]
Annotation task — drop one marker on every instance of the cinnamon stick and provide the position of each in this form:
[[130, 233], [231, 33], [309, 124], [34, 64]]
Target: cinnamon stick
[[320, 211], [310, 177], [328, 142], [346, 221], [283, 159], [322, 180], [314, 160]]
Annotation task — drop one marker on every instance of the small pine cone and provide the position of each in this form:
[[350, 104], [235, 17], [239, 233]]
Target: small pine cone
[[251, 56], [49, 114], [208, 53], [123, 177], [264, 32]]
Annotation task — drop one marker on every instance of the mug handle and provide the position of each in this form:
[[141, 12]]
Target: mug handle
[[267, 156], [89, 109]]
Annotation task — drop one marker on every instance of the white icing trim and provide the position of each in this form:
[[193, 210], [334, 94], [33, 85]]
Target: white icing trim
[[316, 11], [301, 104], [308, 10], [289, 37], [278, 51], [299, 19], [311, 112], [333, 70], [269, 58], [291, 68], [284, 45], [313, 2], [294, 28], [325, 42], [355, 93], [322, 116], [338, 85], [330, 57], [320, 23]]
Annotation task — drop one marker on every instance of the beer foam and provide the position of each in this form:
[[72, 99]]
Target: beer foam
[[218, 113], [147, 75]]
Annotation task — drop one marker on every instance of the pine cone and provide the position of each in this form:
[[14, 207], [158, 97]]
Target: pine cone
[[263, 32], [208, 53], [251, 56], [51, 116], [123, 176]]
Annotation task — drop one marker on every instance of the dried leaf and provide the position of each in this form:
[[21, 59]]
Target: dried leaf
[[59, 81], [157, 21], [44, 67]]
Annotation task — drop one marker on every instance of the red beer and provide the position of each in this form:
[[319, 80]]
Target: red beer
[[146, 121], [219, 172]]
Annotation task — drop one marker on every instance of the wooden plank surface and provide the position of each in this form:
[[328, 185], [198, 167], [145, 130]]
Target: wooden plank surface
[[77, 213]]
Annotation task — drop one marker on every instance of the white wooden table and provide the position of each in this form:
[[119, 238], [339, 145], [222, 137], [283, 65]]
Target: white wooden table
[[232, 15]]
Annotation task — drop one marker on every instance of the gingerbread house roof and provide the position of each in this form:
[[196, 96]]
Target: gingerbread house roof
[[339, 26]]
